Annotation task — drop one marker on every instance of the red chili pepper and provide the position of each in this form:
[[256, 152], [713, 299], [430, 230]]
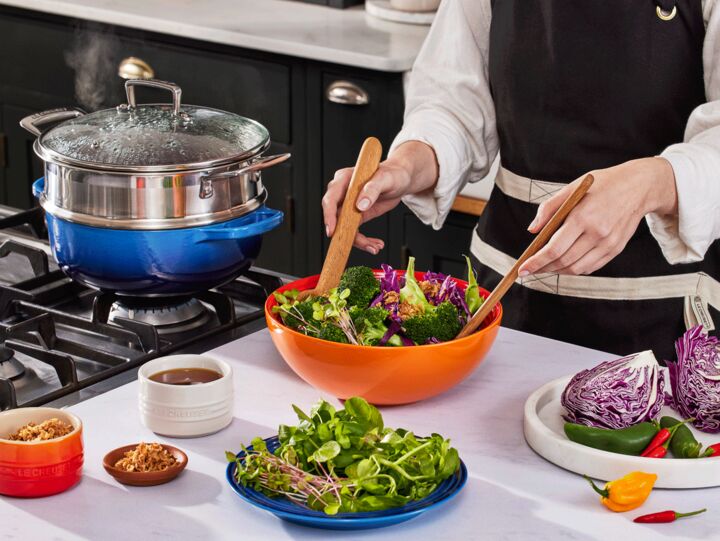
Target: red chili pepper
[[665, 516], [660, 438], [712, 450], [658, 452]]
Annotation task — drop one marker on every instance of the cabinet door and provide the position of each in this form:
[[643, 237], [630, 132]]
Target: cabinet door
[[343, 128], [441, 251], [278, 251], [22, 166]]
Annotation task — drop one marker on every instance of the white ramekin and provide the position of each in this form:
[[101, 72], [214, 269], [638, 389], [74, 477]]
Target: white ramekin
[[415, 5], [186, 411]]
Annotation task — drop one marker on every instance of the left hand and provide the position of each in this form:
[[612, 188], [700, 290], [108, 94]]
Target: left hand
[[600, 226]]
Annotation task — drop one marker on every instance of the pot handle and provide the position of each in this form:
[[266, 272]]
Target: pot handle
[[38, 187], [176, 91], [257, 165], [206, 187], [267, 220], [34, 123]]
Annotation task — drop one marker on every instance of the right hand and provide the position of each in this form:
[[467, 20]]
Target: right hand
[[380, 195], [394, 178]]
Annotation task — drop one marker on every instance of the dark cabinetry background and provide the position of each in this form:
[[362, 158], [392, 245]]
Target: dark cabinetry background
[[52, 62]]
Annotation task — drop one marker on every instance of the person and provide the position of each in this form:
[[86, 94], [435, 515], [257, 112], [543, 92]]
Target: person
[[627, 91]]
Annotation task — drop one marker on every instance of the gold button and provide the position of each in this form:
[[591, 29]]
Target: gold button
[[666, 15]]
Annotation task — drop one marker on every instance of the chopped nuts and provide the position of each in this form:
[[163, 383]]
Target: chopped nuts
[[391, 297], [146, 457], [429, 288], [47, 430], [407, 310]]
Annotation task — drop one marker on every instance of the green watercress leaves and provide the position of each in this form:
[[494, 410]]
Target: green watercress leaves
[[346, 460]]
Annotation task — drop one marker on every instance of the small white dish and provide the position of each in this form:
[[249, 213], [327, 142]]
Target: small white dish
[[382, 9], [544, 432], [415, 5], [185, 411]]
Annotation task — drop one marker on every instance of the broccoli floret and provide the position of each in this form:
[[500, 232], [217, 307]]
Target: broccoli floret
[[370, 324], [420, 328], [332, 333], [375, 315], [363, 286], [448, 321], [298, 314], [441, 322]]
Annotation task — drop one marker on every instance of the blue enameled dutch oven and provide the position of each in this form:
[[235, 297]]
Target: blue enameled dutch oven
[[161, 262], [153, 199]]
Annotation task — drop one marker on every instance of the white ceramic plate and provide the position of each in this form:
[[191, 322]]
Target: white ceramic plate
[[544, 433], [383, 10]]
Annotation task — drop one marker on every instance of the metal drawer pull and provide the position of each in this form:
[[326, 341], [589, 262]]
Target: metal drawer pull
[[347, 93], [135, 68]]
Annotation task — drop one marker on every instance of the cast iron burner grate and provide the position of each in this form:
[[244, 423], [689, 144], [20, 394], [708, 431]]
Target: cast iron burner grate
[[66, 337]]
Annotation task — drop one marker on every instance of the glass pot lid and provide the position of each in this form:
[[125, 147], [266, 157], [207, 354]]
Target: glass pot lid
[[153, 137]]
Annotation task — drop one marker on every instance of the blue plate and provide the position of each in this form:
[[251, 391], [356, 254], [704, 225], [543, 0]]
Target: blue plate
[[287, 510]]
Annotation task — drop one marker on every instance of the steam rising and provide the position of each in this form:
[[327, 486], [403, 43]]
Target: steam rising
[[93, 58]]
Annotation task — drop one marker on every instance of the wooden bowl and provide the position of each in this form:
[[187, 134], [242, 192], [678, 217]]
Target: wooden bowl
[[144, 479], [381, 375]]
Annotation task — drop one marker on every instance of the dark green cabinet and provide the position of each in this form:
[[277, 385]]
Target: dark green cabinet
[[21, 165], [51, 61], [442, 250]]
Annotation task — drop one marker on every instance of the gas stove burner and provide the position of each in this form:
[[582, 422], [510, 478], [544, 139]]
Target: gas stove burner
[[10, 367], [172, 317]]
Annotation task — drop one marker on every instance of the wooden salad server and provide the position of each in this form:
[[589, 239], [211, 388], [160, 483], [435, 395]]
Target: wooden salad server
[[538, 242], [348, 222]]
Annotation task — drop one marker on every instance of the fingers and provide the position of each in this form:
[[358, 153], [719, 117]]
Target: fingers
[[588, 263], [584, 244], [333, 198], [382, 183], [369, 244], [556, 247], [548, 207], [379, 208]]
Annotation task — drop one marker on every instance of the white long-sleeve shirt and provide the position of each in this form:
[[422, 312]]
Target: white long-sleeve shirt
[[450, 108]]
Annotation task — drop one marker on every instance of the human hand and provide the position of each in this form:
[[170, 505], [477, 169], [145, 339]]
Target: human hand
[[410, 169], [600, 226]]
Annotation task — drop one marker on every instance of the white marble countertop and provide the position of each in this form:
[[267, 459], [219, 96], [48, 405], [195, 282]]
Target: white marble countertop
[[348, 36], [512, 494]]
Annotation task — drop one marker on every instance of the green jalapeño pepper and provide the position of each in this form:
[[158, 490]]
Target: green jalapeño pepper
[[683, 444], [627, 441]]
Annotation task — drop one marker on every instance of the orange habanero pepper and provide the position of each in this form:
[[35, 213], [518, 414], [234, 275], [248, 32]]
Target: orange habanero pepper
[[626, 493]]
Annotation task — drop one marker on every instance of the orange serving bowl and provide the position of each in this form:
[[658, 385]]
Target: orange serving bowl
[[381, 375], [33, 469]]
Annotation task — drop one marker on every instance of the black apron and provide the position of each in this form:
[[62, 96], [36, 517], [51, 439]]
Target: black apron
[[581, 85]]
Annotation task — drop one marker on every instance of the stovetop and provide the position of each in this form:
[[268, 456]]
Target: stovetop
[[61, 338]]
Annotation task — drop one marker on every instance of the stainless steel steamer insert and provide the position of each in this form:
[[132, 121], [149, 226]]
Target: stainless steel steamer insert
[[150, 166]]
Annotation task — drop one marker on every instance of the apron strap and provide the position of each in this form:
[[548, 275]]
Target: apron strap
[[698, 289], [525, 189]]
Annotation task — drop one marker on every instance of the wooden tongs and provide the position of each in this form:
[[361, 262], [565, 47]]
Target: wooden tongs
[[538, 242]]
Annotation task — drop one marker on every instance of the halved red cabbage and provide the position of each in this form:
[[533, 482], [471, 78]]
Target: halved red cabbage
[[695, 379], [617, 393]]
